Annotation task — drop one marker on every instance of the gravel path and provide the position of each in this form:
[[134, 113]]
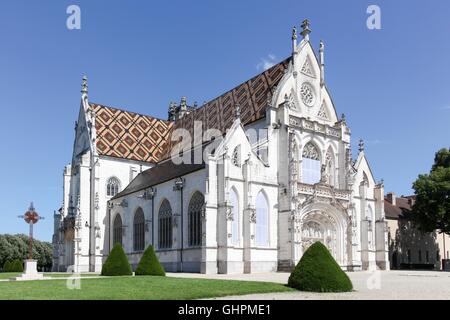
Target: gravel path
[[378, 285]]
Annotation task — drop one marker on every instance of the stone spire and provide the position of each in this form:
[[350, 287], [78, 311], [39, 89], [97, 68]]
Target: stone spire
[[361, 145], [294, 40], [322, 63], [84, 85], [306, 30]]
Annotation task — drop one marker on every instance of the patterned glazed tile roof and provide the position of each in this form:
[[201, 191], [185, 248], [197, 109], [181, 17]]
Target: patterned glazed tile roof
[[251, 96], [129, 135]]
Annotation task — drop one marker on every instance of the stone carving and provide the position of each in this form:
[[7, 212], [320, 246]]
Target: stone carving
[[229, 213], [236, 157], [307, 94], [322, 112], [252, 215], [310, 152], [312, 230], [306, 69]]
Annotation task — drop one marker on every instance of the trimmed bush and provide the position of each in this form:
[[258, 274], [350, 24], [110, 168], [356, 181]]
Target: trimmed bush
[[117, 263], [16, 266], [149, 264], [7, 266], [317, 271]]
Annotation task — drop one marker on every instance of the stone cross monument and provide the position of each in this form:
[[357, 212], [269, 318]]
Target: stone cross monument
[[30, 271]]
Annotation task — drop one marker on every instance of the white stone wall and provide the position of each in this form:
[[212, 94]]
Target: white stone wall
[[170, 258]]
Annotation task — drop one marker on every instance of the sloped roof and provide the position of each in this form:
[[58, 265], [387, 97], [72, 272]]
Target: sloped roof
[[219, 113], [133, 136], [401, 210], [161, 172], [129, 135]]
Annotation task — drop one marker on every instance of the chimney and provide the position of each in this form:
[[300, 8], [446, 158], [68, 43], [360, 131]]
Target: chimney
[[391, 198]]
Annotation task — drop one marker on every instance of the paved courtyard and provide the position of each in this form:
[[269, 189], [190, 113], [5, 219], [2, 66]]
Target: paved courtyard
[[378, 285]]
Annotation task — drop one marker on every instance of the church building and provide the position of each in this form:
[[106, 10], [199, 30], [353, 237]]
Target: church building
[[243, 183]]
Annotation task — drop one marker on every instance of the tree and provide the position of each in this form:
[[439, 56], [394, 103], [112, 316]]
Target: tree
[[15, 247], [317, 271], [7, 266], [431, 209], [117, 263], [16, 266], [149, 264]]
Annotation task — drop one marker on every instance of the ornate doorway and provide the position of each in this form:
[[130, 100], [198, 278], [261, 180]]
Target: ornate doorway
[[320, 226]]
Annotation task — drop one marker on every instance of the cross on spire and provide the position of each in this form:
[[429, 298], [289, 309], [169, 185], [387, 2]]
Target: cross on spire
[[84, 85], [306, 30], [361, 145]]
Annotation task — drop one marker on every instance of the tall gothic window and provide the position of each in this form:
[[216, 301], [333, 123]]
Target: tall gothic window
[[112, 187], [139, 230], [195, 219], [117, 230], [235, 214], [311, 169], [165, 225], [262, 220]]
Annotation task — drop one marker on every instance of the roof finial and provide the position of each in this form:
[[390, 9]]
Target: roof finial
[[322, 63], [361, 145], [238, 111], [294, 40], [306, 30], [84, 85]]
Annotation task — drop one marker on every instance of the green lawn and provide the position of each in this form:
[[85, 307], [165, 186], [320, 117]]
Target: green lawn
[[134, 288], [7, 275]]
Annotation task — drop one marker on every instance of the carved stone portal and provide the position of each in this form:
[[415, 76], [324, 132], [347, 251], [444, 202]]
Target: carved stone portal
[[320, 228]]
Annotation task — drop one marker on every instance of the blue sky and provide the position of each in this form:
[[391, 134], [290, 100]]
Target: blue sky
[[392, 84]]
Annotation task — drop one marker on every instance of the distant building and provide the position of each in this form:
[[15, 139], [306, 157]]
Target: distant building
[[410, 248]]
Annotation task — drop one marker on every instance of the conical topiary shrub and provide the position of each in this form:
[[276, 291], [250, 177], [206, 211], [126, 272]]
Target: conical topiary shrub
[[149, 264], [117, 263], [16, 266], [317, 271], [7, 266]]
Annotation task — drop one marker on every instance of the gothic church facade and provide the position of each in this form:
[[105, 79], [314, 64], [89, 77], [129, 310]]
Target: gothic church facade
[[277, 176]]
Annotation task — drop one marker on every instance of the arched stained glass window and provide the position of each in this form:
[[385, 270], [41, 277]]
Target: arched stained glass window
[[262, 220], [195, 219], [139, 230], [112, 187], [117, 230], [235, 214], [165, 225], [311, 169]]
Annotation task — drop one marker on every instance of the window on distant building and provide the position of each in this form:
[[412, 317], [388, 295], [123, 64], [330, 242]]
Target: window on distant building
[[420, 255], [427, 256], [409, 256], [113, 187], [311, 169]]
